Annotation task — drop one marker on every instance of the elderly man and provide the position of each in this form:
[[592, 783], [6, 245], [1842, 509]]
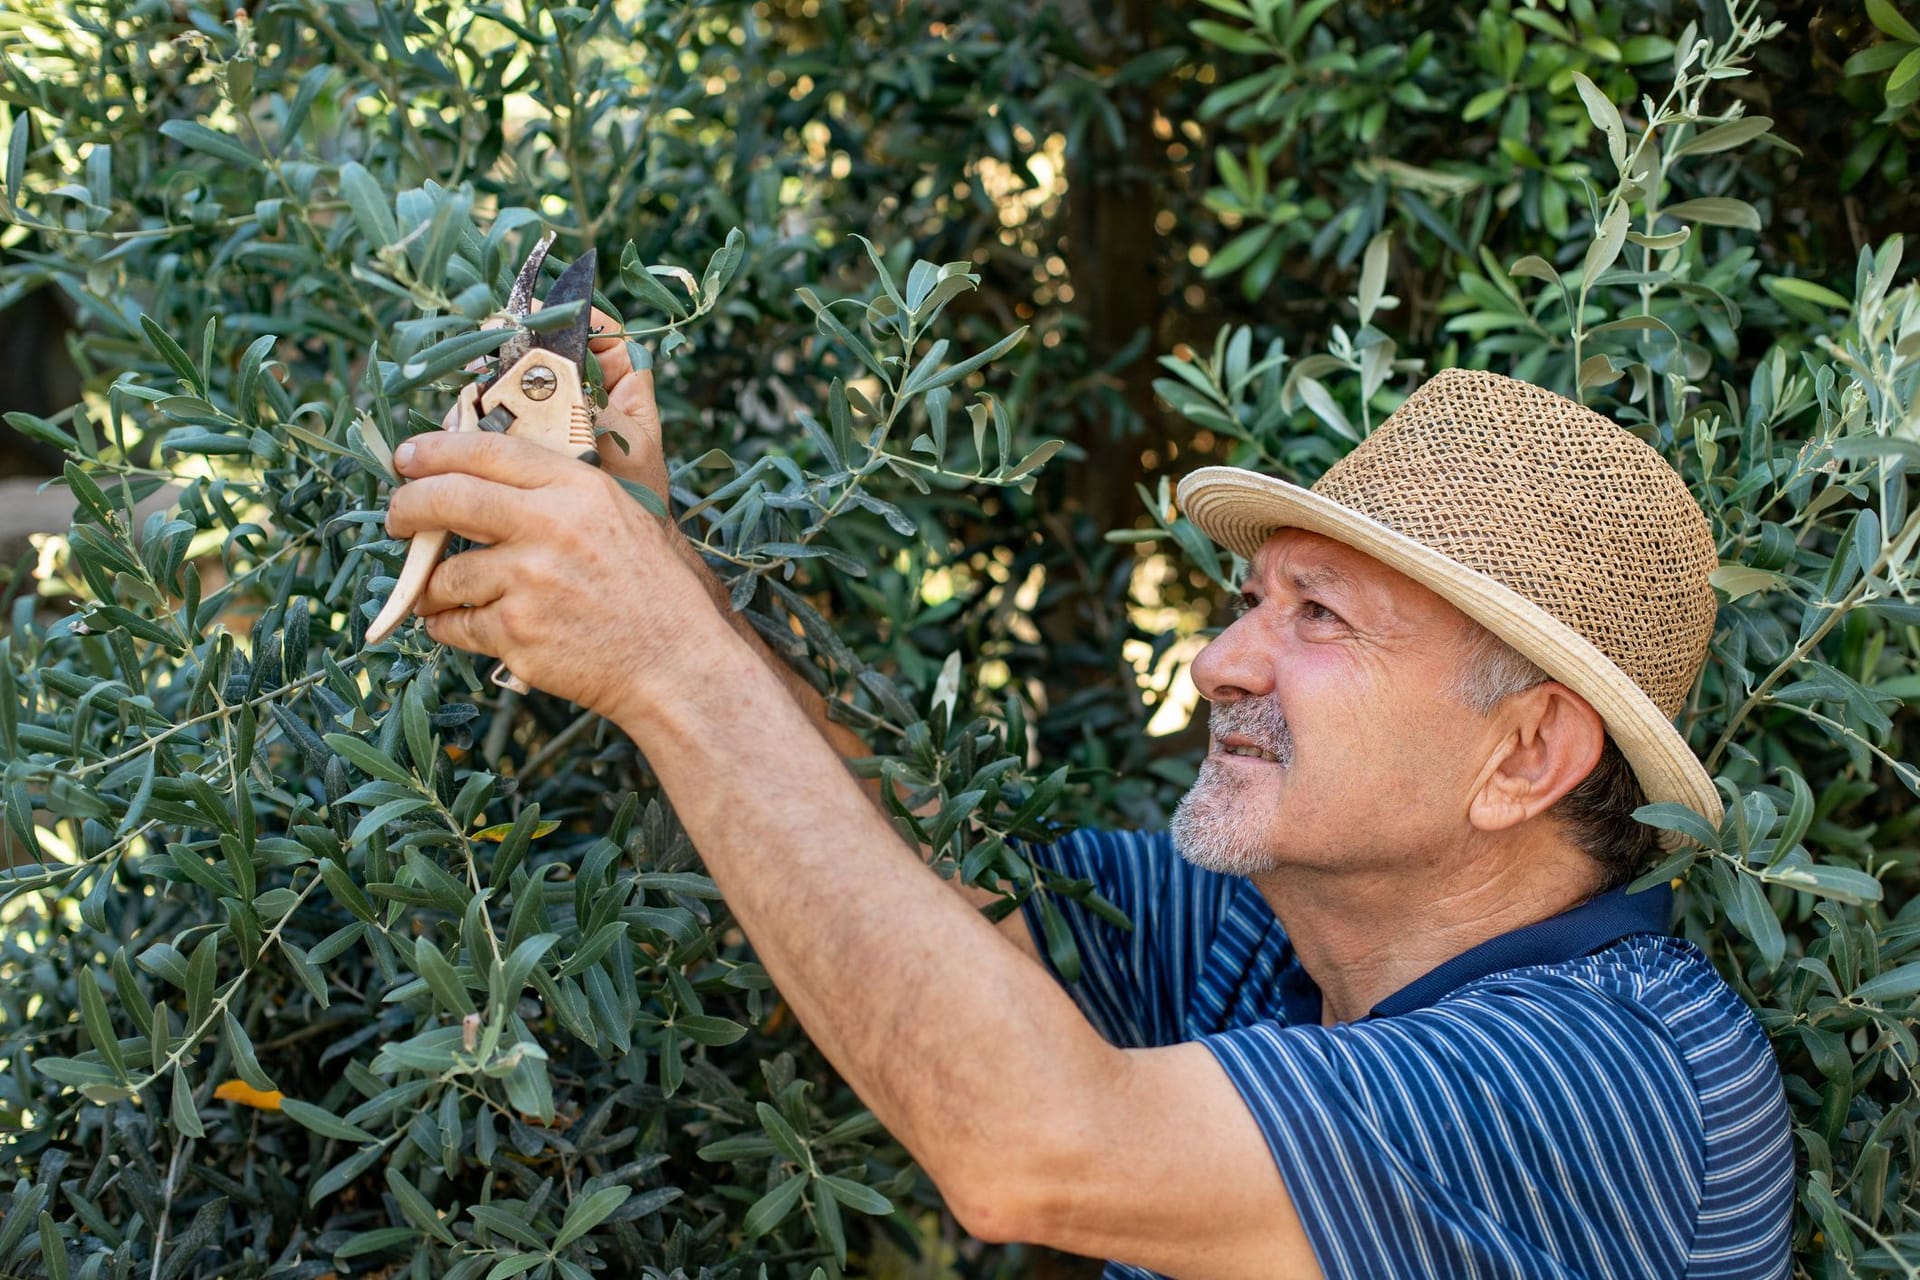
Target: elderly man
[[1387, 1011]]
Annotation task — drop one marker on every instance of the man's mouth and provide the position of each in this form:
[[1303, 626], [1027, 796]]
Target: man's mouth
[[1251, 729], [1237, 746]]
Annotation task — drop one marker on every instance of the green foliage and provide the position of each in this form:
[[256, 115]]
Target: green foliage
[[1331, 94], [1893, 65], [512, 1029], [489, 1015]]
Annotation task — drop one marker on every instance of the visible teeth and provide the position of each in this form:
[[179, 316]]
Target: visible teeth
[[1254, 752]]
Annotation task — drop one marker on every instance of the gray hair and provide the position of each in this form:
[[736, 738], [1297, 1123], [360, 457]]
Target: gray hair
[[1597, 814]]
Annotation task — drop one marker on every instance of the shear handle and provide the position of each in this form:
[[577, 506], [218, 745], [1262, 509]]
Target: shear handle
[[542, 395], [429, 545]]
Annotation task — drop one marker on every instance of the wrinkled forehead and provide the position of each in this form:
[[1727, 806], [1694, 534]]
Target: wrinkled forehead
[[1302, 554]]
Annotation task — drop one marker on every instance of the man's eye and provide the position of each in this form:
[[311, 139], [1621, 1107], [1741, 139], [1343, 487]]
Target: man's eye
[[1244, 602], [1314, 611]]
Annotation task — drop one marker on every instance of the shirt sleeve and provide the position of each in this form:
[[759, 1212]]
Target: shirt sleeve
[[1134, 983], [1521, 1131]]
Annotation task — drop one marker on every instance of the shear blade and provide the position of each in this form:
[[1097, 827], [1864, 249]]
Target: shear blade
[[520, 301], [574, 285]]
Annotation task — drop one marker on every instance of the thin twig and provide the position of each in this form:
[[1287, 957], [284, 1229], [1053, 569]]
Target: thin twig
[[166, 1210], [1896, 548], [220, 713], [559, 742]]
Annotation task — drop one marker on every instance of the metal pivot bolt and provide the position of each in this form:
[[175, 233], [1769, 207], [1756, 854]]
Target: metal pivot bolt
[[539, 382]]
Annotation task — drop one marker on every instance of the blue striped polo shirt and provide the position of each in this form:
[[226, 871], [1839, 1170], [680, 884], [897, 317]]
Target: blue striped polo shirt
[[1583, 1097]]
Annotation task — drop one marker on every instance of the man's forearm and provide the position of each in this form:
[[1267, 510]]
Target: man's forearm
[[845, 741], [955, 1039], [840, 737]]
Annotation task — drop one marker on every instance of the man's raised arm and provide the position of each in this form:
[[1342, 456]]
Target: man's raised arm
[[1033, 1126], [632, 448]]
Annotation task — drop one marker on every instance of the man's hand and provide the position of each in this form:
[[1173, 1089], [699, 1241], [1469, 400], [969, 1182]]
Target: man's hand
[[564, 589], [631, 417], [579, 590]]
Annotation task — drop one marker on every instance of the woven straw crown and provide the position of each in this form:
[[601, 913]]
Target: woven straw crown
[[1515, 503], [1555, 501]]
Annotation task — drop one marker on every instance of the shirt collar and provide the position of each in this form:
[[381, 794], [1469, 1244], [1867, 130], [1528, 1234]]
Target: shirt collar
[[1596, 923]]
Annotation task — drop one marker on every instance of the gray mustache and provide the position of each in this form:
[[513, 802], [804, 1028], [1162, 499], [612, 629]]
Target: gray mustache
[[1259, 720]]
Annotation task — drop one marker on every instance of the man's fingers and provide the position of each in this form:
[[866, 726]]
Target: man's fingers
[[470, 579], [489, 455], [632, 411], [633, 398], [471, 507], [633, 415], [609, 343], [629, 427], [476, 630], [602, 328], [614, 363]]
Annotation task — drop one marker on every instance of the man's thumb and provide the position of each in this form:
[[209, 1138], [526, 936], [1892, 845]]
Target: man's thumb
[[634, 416]]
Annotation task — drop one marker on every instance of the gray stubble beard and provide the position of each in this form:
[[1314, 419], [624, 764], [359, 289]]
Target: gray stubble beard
[[1210, 828]]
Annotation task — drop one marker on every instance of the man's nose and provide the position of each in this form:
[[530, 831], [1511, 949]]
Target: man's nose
[[1236, 664]]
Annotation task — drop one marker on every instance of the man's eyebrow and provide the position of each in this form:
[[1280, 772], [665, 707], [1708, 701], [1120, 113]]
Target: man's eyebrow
[[1319, 578], [1312, 578]]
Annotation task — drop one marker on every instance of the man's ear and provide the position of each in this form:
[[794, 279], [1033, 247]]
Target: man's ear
[[1553, 738]]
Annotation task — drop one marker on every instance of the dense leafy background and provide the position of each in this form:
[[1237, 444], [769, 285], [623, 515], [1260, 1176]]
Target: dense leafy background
[[251, 853]]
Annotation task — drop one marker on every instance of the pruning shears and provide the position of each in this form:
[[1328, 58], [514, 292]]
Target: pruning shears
[[538, 393]]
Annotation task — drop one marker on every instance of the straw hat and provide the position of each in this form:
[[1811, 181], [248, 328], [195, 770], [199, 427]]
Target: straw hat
[[1561, 533]]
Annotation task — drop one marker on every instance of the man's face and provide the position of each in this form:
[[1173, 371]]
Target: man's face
[[1336, 742]]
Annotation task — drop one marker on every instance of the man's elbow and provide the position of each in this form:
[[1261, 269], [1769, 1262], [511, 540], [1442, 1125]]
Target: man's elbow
[[1026, 1187], [1021, 1169], [1001, 1209]]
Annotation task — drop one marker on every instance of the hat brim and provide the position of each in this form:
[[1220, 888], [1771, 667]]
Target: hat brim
[[1240, 509]]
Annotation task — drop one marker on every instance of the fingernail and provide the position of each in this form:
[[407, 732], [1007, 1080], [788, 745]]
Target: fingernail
[[403, 456]]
